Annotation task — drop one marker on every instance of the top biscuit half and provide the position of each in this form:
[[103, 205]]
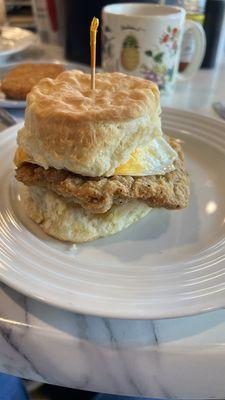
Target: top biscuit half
[[89, 132]]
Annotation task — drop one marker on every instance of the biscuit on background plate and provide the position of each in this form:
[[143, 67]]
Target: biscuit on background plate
[[21, 79]]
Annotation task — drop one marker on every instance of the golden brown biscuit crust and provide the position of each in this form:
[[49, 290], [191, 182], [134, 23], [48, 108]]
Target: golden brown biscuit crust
[[89, 132], [66, 221], [20, 80], [117, 97], [98, 195]]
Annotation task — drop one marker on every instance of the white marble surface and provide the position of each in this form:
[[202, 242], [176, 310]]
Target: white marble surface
[[178, 358]]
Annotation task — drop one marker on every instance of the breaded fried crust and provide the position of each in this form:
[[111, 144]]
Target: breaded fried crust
[[99, 194], [20, 80]]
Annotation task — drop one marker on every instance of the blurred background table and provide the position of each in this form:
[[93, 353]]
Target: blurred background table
[[177, 358], [195, 95]]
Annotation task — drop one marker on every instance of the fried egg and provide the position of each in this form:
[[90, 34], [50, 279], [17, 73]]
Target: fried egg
[[157, 158]]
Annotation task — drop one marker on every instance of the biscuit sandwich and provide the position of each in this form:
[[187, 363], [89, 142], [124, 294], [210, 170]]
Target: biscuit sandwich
[[95, 161]]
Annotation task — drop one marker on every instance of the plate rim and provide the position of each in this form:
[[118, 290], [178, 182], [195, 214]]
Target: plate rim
[[21, 104], [9, 52], [137, 315], [17, 104]]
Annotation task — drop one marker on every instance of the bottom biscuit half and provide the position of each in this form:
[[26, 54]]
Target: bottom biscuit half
[[65, 221]]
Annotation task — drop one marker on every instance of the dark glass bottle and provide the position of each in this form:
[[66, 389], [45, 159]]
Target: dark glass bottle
[[78, 16], [195, 12], [214, 17]]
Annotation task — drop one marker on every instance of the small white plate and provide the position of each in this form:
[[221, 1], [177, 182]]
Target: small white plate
[[20, 104], [14, 40], [8, 103], [170, 264]]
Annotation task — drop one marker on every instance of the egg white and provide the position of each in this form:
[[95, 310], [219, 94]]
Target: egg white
[[157, 158]]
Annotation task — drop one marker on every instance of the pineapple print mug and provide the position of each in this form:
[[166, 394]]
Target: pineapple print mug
[[146, 39]]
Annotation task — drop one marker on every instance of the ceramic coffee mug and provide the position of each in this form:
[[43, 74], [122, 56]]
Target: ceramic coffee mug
[[145, 40]]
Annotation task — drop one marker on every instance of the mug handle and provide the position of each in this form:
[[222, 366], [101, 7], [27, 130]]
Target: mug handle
[[200, 46]]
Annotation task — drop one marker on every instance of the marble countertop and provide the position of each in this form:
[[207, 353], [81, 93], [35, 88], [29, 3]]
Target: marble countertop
[[178, 358]]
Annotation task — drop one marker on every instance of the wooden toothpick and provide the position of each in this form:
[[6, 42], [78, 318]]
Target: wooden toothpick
[[93, 34]]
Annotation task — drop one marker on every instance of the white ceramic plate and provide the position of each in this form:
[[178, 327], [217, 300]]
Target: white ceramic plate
[[19, 104], [13, 40], [8, 103], [172, 263]]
